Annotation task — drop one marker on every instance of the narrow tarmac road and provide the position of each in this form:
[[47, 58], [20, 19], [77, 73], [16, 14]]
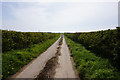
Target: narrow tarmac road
[[55, 62], [65, 68], [34, 67]]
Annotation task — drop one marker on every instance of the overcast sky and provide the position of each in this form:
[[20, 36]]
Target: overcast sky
[[59, 16]]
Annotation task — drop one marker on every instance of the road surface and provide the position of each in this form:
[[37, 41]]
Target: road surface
[[65, 68], [55, 62]]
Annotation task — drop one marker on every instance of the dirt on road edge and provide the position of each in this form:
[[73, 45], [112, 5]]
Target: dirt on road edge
[[49, 69]]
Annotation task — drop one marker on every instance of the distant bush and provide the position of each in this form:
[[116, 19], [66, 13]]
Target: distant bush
[[89, 66], [105, 44]]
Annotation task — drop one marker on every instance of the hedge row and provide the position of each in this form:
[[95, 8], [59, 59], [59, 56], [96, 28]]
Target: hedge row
[[89, 66], [12, 40], [13, 61], [105, 44]]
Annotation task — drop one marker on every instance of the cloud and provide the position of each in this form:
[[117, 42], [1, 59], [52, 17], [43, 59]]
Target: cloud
[[29, 17], [60, 16], [59, 1], [85, 16], [72, 14]]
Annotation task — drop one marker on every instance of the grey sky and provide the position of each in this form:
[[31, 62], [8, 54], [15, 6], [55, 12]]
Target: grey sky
[[59, 16]]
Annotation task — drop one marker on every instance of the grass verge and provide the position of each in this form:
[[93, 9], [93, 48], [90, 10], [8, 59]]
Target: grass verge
[[13, 61], [89, 66]]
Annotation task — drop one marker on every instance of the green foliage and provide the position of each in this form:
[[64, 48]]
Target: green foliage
[[14, 60], [105, 44], [89, 66], [12, 40]]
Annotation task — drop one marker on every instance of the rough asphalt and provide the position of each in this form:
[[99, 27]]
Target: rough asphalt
[[55, 62]]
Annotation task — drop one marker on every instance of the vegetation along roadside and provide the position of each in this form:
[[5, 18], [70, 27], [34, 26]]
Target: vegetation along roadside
[[89, 66], [104, 43], [14, 60]]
